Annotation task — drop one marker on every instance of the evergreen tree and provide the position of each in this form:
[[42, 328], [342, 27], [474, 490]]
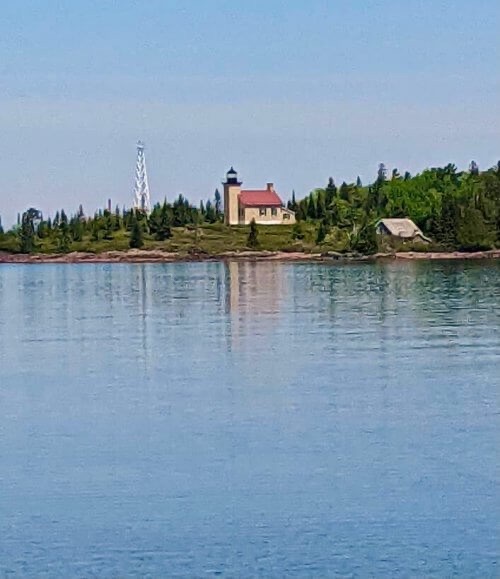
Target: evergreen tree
[[253, 235], [136, 234], [322, 232], [210, 214], [164, 231], [330, 191], [473, 233], [117, 221], [76, 229], [381, 173], [108, 225], [95, 230], [344, 192], [321, 205], [301, 210], [1, 228], [63, 238], [311, 207], [446, 231], [359, 184], [27, 233], [218, 203], [366, 240]]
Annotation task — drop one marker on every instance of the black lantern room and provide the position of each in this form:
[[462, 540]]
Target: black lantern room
[[232, 177]]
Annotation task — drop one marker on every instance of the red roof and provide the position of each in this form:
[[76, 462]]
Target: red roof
[[260, 197]]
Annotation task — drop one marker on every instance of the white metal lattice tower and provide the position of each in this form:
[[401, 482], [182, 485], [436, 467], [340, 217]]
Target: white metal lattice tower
[[142, 200]]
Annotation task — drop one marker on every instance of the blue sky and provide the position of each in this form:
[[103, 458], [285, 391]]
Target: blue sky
[[290, 92]]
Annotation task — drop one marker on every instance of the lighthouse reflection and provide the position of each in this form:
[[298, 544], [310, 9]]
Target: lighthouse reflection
[[254, 298]]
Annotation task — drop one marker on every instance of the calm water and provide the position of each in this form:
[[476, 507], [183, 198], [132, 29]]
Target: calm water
[[250, 419]]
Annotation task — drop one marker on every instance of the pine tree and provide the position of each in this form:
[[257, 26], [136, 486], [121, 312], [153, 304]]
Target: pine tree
[[473, 233], [95, 230], [381, 173], [76, 229], [447, 226], [344, 192], [311, 207], [321, 205], [218, 204], [136, 235], [27, 234], [210, 214], [322, 232], [63, 239], [253, 236], [366, 240], [163, 230], [330, 191], [1, 227], [117, 222], [108, 226], [474, 168]]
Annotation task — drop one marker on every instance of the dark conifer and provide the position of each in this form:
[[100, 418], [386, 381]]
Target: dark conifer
[[322, 232], [253, 235], [136, 235]]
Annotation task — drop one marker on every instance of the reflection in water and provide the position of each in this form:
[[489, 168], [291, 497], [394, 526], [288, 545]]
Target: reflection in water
[[249, 419], [254, 293]]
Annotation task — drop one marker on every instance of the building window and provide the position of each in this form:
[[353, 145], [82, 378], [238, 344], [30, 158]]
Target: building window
[[262, 211], [286, 216], [274, 212]]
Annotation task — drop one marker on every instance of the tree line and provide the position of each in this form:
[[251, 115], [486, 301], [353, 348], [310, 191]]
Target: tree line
[[62, 231], [456, 209]]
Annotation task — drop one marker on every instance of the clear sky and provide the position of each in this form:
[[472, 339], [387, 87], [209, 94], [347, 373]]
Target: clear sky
[[286, 91]]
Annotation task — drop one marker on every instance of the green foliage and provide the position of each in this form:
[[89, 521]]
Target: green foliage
[[298, 231], [27, 241], [253, 235], [322, 232], [365, 241], [473, 232], [63, 236], [160, 222], [136, 233], [457, 210]]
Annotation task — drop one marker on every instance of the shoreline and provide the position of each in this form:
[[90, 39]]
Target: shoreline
[[158, 256]]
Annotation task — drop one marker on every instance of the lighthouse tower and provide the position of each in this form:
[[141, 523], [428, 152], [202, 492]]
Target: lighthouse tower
[[232, 190]]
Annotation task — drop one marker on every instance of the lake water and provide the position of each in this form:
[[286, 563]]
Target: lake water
[[250, 419]]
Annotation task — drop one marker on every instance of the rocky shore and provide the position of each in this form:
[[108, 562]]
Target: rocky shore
[[158, 256]]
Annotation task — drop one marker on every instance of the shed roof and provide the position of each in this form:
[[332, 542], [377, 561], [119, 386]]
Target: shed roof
[[404, 228]]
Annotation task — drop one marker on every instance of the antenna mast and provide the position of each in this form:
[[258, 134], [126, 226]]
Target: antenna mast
[[142, 199]]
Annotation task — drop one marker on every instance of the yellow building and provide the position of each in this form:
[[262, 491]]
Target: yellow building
[[243, 205]]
